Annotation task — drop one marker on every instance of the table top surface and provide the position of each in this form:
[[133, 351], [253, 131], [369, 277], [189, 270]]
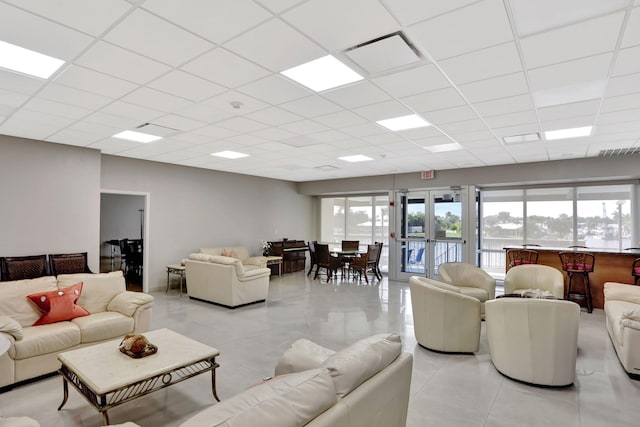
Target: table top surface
[[175, 267], [273, 258], [104, 368], [633, 252]]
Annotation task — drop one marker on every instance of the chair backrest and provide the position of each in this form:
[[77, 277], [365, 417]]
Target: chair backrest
[[350, 245], [68, 263], [24, 267], [463, 274], [577, 262], [322, 253], [534, 276], [380, 244], [124, 247], [521, 256], [373, 254]]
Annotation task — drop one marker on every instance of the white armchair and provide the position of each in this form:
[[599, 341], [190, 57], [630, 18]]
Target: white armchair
[[443, 318], [529, 277], [533, 340], [470, 279]]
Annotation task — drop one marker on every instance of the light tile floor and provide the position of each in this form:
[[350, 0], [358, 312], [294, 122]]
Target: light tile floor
[[446, 390]]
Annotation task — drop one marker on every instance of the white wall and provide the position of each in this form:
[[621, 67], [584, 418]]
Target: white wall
[[119, 218], [50, 199], [191, 208]]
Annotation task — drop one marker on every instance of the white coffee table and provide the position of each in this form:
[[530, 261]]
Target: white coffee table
[[107, 378]]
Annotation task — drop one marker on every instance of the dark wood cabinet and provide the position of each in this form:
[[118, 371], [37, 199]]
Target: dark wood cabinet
[[293, 253]]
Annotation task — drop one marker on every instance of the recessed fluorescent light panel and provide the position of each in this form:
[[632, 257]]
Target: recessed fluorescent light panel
[[230, 154], [322, 74], [136, 136], [412, 121], [567, 133], [356, 158], [454, 146], [16, 58], [529, 137]]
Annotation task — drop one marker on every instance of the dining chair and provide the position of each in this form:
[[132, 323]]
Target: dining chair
[[313, 256], [24, 267], [330, 263], [69, 263]]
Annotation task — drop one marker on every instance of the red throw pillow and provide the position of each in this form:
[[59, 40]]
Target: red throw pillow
[[58, 305]]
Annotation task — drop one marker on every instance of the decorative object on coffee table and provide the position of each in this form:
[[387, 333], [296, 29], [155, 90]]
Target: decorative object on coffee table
[[137, 346]]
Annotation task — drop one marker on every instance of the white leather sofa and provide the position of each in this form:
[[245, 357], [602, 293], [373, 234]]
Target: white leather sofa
[[114, 312], [239, 252], [225, 280], [443, 318], [622, 313], [533, 340], [534, 277], [469, 279]]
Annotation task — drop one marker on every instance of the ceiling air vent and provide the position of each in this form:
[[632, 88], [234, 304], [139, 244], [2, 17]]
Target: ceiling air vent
[[619, 152], [384, 53]]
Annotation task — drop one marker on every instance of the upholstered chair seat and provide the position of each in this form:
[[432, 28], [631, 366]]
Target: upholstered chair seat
[[470, 279]]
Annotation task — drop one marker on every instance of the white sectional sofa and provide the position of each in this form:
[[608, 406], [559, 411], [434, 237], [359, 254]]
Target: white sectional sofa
[[225, 280], [239, 252], [114, 312], [622, 313]]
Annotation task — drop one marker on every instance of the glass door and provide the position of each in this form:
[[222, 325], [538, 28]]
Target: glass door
[[429, 232]]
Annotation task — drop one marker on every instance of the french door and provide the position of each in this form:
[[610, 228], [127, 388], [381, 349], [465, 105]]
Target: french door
[[430, 230]]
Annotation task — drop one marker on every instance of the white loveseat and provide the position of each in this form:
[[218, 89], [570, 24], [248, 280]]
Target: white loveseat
[[225, 280], [114, 312], [239, 252], [622, 313]]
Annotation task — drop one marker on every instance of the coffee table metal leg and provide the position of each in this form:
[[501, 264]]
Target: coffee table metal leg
[[105, 418], [213, 384], [65, 391]]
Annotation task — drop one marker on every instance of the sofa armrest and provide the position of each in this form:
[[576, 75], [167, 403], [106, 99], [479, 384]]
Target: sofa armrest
[[129, 302], [256, 273], [621, 292], [10, 326], [260, 261], [630, 323]]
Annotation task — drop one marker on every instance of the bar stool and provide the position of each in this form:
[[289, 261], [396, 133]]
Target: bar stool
[[521, 256], [578, 263], [635, 271]]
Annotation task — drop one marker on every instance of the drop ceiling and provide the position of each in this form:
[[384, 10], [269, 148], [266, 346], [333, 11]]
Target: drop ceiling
[[205, 75]]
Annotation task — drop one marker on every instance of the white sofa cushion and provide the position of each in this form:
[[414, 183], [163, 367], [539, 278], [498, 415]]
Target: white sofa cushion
[[97, 289], [44, 339], [14, 302], [301, 356], [355, 364], [286, 401], [103, 326], [11, 327]]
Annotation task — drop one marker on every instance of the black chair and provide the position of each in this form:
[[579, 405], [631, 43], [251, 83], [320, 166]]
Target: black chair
[[312, 256], [124, 250], [23, 267], [331, 264], [68, 263], [367, 263]]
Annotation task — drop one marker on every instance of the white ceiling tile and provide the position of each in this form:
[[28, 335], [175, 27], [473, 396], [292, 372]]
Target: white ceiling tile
[[617, 128], [463, 126], [274, 89], [571, 72], [56, 109], [113, 60], [105, 124], [436, 100], [619, 116], [517, 130], [41, 122], [177, 122], [156, 38], [312, 17], [217, 21], [510, 104], [632, 32], [274, 116], [227, 100], [575, 92], [411, 11], [450, 115], [568, 123], [512, 119], [216, 132], [340, 119], [278, 6], [623, 85], [113, 145], [155, 99], [415, 80], [311, 106], [569, 110], [235, 72], [89, 17], [495, 88], [364, 130], [264, 45], [356, 95], [627, 61], [204, 113], [482, 64], [50, 38], [125, 109], [383, 110], [73, 137], [19, 83], [304, 127], [241, 124], [540, 15], [625, 102], [575, 41], [11, 99], [466, 137], [383, 55], [474, 27], [79, 98], [92, 81], [186, 85], [329, 136], [274, 134]]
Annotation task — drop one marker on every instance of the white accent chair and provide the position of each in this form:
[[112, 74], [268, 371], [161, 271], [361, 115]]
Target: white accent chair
[[470, 279], [444, 319], [528, 277], [622, 314], [533, 340]]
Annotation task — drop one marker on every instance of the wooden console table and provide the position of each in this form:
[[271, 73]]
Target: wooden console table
[[611, 265]]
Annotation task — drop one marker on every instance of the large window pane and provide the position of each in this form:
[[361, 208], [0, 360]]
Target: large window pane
[[501, 225], [549, 216], [604, 216]]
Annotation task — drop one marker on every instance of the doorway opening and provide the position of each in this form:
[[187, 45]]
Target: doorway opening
[[123, 231]]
